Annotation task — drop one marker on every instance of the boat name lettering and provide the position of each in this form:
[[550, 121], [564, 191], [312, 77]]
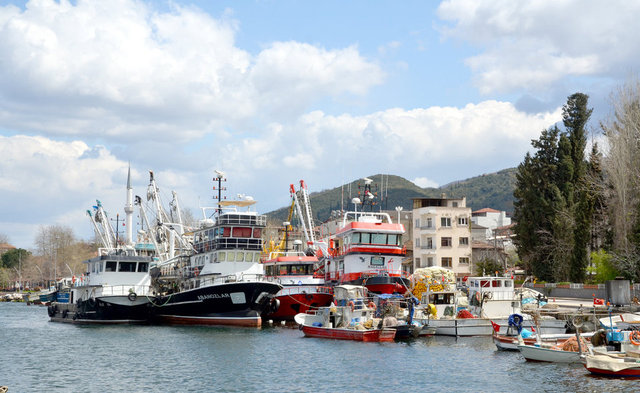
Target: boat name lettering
[[213, 296]]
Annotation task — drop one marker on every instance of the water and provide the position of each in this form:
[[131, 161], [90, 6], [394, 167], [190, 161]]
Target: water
[[38, 355]]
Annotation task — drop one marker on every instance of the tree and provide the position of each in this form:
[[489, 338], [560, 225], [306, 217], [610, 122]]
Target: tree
[[575, 117], [622, 169], [4, 239], [536, 199], [13, 258], [488, 267]]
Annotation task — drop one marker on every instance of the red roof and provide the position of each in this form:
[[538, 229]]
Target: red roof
[[487, 210]]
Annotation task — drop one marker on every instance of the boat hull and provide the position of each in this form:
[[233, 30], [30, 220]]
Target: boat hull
[[295, 303], [374, 335], [540, 354], [106, 310], [608, 366], [382, 284], [235, 304]]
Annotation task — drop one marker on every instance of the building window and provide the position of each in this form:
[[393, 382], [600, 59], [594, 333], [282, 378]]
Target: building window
[[417, 242], [430, 243], [445, 222], [429, 222], [445, 242], [446, 261], [464, 241], [463, 221], [418, 262], [464, 260], [430, 261], [417, 223]]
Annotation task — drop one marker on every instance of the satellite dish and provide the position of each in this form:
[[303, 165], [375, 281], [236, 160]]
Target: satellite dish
[[367, 180], [219, 174], [355, 201]]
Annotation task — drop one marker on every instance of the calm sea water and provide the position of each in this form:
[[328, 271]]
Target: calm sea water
[[41, 356]]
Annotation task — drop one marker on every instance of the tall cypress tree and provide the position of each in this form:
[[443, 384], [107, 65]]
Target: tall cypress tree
[[575, 115], [535, 195]]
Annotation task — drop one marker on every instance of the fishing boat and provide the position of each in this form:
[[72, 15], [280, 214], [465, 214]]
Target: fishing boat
[[221, 281], [509, 342], [613, 364], [115, 290], [367, 249], [553, 354], [352, 318], [115, 286], [302, 289]]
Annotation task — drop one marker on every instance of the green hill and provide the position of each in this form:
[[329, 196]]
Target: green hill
[[493, 190]]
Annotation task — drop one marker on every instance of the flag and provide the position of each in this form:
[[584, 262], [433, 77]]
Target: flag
[[496, 327]]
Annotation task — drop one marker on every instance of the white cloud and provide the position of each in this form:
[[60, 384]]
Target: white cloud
[[122, 70], [531, 45], [424, 182]]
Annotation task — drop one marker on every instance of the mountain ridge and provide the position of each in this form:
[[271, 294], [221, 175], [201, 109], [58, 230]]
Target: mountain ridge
[[493, 190]]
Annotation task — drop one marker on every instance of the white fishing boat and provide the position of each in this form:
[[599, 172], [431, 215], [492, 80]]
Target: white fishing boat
[[553, 354]]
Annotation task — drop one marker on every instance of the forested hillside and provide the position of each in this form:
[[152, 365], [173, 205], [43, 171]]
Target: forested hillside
[[493, 190]]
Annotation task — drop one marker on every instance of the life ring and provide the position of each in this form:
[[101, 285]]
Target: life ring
[[132, 296], [196, 272], [634, 337], [478, 297], [352, 305], [371, 305]]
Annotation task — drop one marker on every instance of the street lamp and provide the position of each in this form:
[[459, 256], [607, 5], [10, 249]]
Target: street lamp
[[398, 209]]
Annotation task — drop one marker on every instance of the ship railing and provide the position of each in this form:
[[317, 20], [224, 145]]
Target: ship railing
[[123, 290], [242, 219], [305, 289], [231, 278]]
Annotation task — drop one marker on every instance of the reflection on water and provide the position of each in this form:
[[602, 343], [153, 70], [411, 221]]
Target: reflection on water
[[41, 356]]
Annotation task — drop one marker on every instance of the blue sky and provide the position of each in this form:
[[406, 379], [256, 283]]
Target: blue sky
[[272, 92]]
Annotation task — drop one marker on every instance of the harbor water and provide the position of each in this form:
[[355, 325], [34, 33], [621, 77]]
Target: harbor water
[[42, 356]]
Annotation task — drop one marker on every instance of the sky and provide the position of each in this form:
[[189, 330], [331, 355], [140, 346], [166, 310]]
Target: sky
[[272, 92]]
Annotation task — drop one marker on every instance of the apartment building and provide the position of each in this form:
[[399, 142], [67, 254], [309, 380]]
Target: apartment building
[[442, 234]]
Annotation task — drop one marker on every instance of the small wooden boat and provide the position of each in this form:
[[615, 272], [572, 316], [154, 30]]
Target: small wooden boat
[[554, 354], [351, 319], [613, 364], [379, 335], [509, 342]]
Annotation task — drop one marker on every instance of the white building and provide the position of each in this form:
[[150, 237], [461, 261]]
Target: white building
[[442, 234], [490, 219]]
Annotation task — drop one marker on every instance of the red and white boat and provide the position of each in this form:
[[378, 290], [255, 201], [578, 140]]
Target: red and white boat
[[613, 365], [353, 318], [302, 290], [367, 249]]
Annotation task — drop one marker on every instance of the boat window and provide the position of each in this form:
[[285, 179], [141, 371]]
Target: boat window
[[365, 238], [241, 232], [111, 266], [239, 256], [226, 232], [100, 267], [379, 238], [283, 270], [507, 284], [298, 269], [257, 233], [355, 238], [222, 256], [392, 240], [256, 257], [496, 283], [143, 267], [248, 256], [127, 267], [377, 261], [485, 283]]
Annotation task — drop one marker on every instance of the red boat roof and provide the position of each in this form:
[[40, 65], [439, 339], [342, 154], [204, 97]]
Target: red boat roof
[[378, 227]]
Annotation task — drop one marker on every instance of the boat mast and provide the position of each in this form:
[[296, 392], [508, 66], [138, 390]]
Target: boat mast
[[128, 209]]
